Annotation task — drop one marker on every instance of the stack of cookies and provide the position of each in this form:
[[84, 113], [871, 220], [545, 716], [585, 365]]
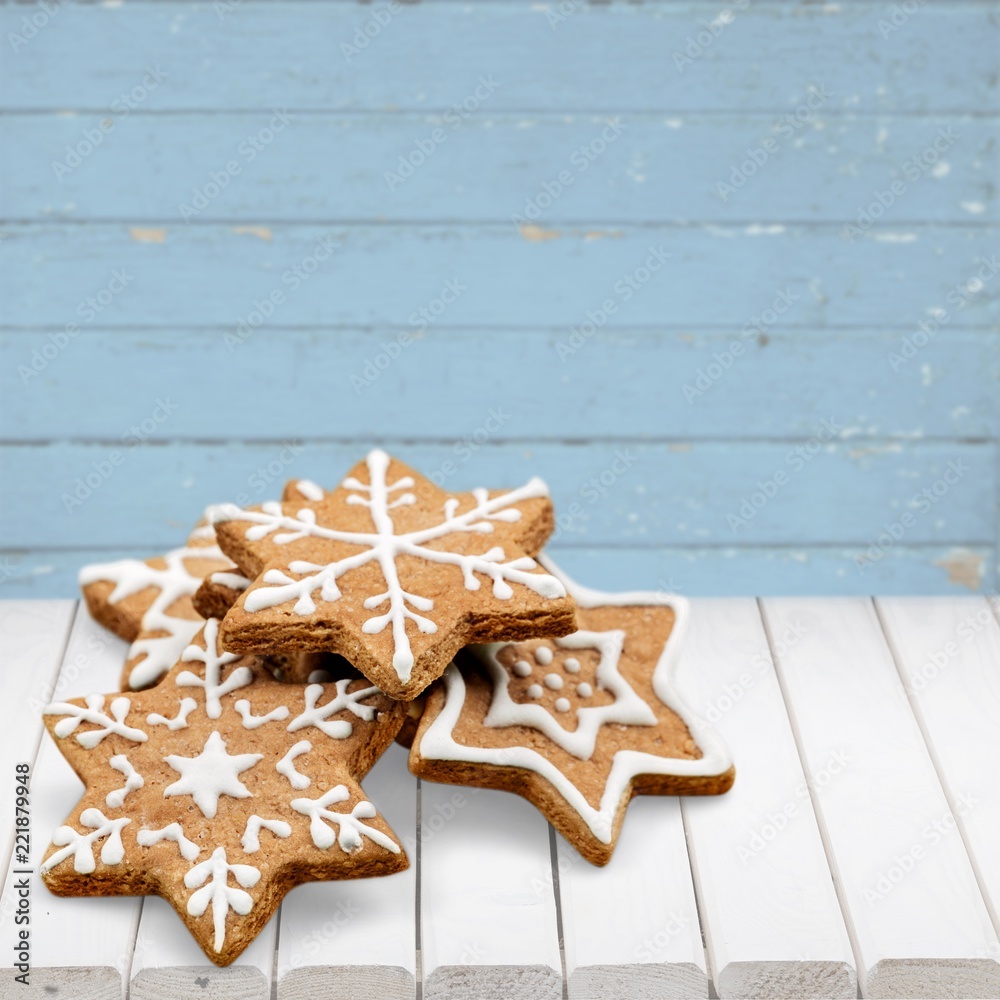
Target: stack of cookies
[[279, 653]]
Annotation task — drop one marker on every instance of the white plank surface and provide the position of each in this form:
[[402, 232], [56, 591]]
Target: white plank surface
[[345, 940], [487, 901], [948, 652], [633, 925], [80, 947], [773, 923], [918, 919]]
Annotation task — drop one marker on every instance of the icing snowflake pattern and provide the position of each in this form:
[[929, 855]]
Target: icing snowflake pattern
[[223, 761], [384, 546]]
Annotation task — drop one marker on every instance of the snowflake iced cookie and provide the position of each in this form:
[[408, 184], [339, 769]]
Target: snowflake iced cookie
[[392, 572], [577, 725], [220, 789], [148, 603]]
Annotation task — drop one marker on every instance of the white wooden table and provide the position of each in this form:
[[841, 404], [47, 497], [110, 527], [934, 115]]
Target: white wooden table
[[858, 850]]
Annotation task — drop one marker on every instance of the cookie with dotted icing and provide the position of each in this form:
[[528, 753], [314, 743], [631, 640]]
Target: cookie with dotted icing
[[576, 724], [392, 572], [220, 789], [149, 602]]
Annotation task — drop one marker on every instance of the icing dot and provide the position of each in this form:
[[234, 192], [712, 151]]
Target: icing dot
[[543, 655], [522, 668], [535, 691], [584, 690], [562, 705], [553, 681], [571, 665]]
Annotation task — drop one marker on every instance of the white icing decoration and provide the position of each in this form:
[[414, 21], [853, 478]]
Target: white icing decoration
[[81, 845], [308, 489], [571, 665], [543, 656], [535, 691], [188, 848], [522, 668], [351, 829], [437, 743], [214, 873], [94, 712], [214, 662], [584, 690], [251, 721], [384, 546], [159, 653], [562, 705], [211, 774], [285, 766], [313, 715], [179, 721], [553, 682], [234, 581], [251, 836], [133, 780]]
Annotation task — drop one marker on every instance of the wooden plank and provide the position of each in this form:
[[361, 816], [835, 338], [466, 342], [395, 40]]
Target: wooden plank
[[168, 962], [946, 389], [487, 907], [348, 939], [919, 924], [636, 920], [622, 492], [808, 274], [79, 947], [245, 56], [705, 572], [773, 924], [550, 170], [948, 654]]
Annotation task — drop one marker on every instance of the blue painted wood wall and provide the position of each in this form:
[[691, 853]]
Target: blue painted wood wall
[[726, 275]]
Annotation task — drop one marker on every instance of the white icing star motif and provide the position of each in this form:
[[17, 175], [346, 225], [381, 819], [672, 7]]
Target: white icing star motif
[[211, 774]]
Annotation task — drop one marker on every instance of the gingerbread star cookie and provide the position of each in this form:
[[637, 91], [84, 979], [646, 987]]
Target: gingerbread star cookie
[[392, 572], [148, 603], [220, 789], [578, 724]]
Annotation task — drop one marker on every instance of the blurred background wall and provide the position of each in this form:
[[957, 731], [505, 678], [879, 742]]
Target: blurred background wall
[[726, 275]]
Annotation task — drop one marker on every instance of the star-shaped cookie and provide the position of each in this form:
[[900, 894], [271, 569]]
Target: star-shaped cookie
[[148, 603], [220, 789], [392, 572], [577, 725]]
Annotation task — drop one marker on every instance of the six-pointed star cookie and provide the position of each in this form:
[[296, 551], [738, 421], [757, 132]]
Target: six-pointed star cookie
[[148, 603], [221, 789], [577, 725], [392, 572]]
